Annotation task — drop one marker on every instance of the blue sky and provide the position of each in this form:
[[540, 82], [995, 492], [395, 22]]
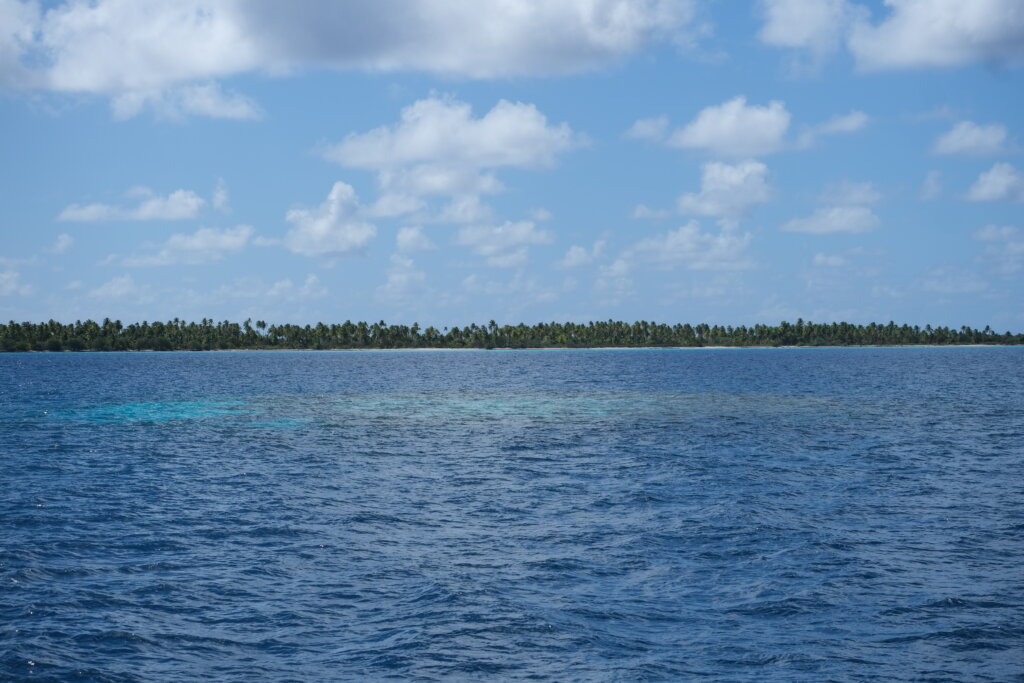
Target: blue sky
[[449, 162]]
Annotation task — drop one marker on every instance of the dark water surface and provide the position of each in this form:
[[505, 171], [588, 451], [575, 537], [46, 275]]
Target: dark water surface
[[843, 514]]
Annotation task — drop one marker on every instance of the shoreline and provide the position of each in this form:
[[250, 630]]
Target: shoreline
[[535, 348]]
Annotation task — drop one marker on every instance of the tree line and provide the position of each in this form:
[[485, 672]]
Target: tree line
[[208, 335]]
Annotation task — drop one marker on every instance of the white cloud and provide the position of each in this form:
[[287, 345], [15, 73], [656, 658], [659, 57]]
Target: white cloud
[[837, 125], [332, 228], [645, 212], [391, 204], [520, 293], [829, 260], [835, 219], [735, 129], [845, 123], [411, 238], [465, 209], [17, 262], [970, 139], [117, 46], [951, 281], [439, 149], [177, 103], [654, 129], [728, 191], [886, 292], [121, 288], [686, 247], [205, 245], [1002, 182], [996, 233], [289, 291], [221, 199], [10, 284], [179, 205], [403, 279], [846, 211], [816, 26], [444, 132], [851, 193], [1004, 248], [932, 186], [913, 34], [19, 22], [581, 256], [504, 246], [439, 179], [540, 215], [63, 242], [941, 33]]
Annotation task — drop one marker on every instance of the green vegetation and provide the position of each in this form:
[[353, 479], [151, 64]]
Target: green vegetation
[[111, 335]]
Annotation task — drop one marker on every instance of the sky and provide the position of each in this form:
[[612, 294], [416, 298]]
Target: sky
[[448, 162]]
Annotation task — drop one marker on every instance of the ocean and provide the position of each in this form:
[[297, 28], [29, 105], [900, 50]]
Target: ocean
[[677, 514]]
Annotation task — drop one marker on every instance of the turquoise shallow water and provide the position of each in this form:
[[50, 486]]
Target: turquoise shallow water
[[791, 514]]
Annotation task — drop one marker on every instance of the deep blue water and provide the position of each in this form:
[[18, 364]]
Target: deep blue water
[[816, 514]]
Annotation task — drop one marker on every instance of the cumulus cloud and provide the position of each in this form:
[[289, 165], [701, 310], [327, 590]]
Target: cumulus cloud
[[940, 33], [503, 246], [846, 211], [736, 129], [932, 186], [654, 129], [221, 199], [177, 103], [391, 204], [948, 280], [580, 256], [443, 132], [851, 193], [645, 212], [403, 279], [996, 233], [970, 139], [814, 26], [16, 262], [837, 125], [19, 22], [63, 242], [121, 288], [289, 291], [142, 52], [685, 247], [205, 245], [11, 285], [829, 260], [465, 209], [439, 149], [333, 228], [411, 239], [1004, 248], [1002, 182], [912, 34], [179, 205], [728, 191], [835, 219], [688, 247]]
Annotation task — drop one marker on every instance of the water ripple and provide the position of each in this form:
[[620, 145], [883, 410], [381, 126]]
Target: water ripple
[[812, 514]]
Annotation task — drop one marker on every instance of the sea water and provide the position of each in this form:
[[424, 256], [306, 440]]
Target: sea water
[[793, 514]]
